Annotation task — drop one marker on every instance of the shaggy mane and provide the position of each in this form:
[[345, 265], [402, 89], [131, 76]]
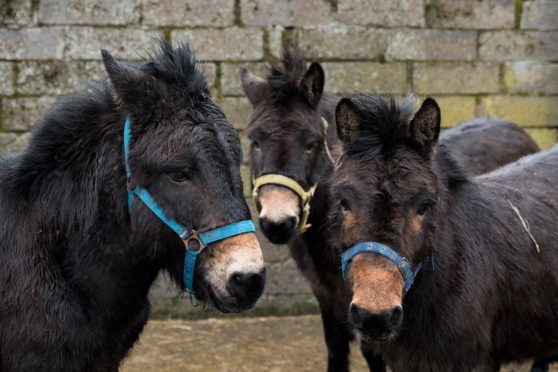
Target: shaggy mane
[[283, 77], [176, 66]]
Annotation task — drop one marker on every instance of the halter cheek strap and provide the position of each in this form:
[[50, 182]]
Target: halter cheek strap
[[402, 263], [194, 242]]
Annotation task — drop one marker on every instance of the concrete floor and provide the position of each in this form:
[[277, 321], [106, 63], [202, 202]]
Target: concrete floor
[[292, 343]]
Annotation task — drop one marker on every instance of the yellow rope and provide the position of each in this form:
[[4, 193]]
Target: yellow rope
[[525, 224], [325, 125]]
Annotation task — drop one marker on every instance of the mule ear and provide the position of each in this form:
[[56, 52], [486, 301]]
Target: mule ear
[[347, 119], [127, 81], [425, 126], [254, 86], [312, 84]]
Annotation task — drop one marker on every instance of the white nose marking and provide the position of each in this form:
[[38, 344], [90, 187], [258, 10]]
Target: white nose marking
[[278, 204]]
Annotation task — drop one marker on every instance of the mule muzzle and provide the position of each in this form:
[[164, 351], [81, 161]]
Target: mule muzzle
[[279, 232], [377, 325], [246, 288]]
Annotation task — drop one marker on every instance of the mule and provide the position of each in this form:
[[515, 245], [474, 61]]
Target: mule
[[92, 210], [445, 272], [292, 155]]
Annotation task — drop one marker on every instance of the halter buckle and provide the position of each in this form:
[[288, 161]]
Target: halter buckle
[[404, 265], [194, 243]]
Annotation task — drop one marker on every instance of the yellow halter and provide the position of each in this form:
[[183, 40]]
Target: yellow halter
[[305, 196]]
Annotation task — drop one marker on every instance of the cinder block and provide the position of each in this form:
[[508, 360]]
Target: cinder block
[[307, 13], [122, 43], [456, 78], [425, 45], [341, 42], [6, 78], [32, 43], [89, 12], [57, 77], [346, 77], [391, 13], [16, 12], [518, 45], [527, 111], [486, 14], [540, 15], [230, 44], [531, 77], [216, 13]]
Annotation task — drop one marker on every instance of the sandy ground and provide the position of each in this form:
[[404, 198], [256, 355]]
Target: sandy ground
[[243, 344]]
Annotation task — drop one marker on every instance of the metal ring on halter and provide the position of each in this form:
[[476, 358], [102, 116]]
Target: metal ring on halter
[[194, 236]]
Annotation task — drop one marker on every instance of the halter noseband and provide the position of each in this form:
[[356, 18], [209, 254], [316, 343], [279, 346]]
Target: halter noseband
[[199, 240], [305, 196], [291, 184], [402, 263]]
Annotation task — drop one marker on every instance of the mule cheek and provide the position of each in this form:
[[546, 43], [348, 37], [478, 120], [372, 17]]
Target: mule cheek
[[278, 204], [352, 230], [377, 286], [235, 271], [415, 224]]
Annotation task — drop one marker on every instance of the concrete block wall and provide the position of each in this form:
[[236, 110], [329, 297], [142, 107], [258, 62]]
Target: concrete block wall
[[482, 57]]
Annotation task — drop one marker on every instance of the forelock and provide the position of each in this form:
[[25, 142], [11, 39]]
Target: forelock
[[384, 124], [284, 77]]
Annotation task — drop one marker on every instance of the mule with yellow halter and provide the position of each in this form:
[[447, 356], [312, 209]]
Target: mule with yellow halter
[[305, 195], [292, 133]]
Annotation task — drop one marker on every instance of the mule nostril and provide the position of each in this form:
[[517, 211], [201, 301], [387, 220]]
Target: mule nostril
[[265, 224], [279, 232], [356, 316], [375, 324], [396, 316], [246, 286], [290, 223]]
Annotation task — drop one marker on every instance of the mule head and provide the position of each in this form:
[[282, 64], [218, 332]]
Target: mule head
[[186, 154], [383, 193], [289, 137]]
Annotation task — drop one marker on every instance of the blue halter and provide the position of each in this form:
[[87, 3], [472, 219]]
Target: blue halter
[[402, 263], [203, 239]]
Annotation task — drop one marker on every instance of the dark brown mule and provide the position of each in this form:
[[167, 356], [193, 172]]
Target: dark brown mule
[[487, 292], [78, 258], [287, 134]]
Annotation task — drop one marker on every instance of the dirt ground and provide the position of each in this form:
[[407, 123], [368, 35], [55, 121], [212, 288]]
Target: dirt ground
[[292, 343]]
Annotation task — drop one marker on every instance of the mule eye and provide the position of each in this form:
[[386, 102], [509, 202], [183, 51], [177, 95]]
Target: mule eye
[[426, 205], [179, 176], [311, 146], [255, 145], [345, 205]]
